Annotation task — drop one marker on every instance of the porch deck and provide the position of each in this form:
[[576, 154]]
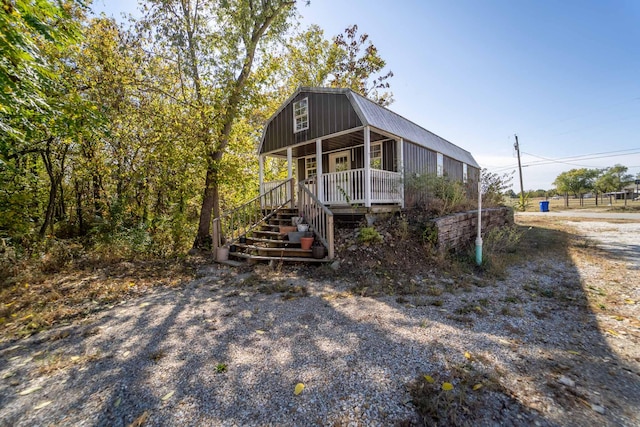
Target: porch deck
[[347, 190]]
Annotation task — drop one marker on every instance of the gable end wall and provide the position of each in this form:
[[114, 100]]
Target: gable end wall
[[328, 113]]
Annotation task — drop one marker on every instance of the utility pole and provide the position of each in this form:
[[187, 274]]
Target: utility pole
[[517, 147]]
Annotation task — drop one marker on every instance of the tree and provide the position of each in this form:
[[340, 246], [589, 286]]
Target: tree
[[576, 181], [613, 179], [358, 61], [24, 69], [213, 46]]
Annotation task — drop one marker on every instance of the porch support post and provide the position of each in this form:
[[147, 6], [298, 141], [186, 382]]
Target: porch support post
[[319, 183], [400, 149], [261, 178], [367, 166], [290, 175]]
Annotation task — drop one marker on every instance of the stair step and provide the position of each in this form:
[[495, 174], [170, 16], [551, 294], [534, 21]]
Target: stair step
[[272, 241], [277, 258], [277, 252], [274, 235], [280, 221]]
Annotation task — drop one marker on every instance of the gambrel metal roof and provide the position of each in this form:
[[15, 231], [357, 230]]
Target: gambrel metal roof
[[381, 118], [384, 119]]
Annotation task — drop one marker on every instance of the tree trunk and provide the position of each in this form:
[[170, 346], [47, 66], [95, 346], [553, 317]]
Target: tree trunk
[[81, 230], [51, 206], [209, 199], [97, 205]]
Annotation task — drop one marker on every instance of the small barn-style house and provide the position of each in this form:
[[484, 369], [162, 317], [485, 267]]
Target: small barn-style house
[[345, 153]]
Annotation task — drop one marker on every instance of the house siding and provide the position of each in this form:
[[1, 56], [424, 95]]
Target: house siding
[[418, 160], [453, 168], [328, 114]]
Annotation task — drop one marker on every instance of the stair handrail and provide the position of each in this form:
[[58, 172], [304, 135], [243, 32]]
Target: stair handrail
[[248, 216], [317, 215]]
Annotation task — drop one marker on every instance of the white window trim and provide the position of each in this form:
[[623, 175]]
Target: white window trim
[[465, 173], [306, 170], [332, 158], [298, 116], [381, 155], [440, 164]]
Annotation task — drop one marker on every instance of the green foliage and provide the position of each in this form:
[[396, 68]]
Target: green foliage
[[500, 240], [438, 194], [577, 181], [493, 187], [28, 30], [430, 234], [614, 178], [357, 61], [368, 235], [523, 202]]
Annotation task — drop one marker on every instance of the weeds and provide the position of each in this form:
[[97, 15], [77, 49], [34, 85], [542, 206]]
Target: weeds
[[450, 399], [369, 235]]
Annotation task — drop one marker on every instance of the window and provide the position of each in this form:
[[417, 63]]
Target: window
[[310, 167], [375, 154], [301, 115], [440, 169], [465, 174]]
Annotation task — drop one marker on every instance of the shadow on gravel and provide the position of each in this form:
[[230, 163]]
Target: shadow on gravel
[[218, 354]]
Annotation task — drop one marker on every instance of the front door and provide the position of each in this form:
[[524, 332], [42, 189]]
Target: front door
[[340, 161], [337, 187]]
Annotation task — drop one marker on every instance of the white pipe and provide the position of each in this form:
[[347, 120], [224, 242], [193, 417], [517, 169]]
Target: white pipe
[[479, 238]]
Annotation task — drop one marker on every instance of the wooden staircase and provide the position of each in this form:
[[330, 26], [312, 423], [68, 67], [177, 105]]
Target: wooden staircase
[[266, 243]]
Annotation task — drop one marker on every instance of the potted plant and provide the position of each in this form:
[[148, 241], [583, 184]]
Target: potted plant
[[306, 241], [317, 250]]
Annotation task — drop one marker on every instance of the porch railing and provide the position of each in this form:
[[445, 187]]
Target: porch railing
[[317, 215], [228, 228], [348, 187], [273, 193], [386, 186]]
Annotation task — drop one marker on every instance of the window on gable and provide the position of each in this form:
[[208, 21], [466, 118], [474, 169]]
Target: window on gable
[[375, 154], [301, 115]]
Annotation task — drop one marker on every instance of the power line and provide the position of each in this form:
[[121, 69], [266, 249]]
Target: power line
[[566, 160]]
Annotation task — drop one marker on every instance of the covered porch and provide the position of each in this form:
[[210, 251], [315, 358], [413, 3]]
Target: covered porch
[[361, 167]]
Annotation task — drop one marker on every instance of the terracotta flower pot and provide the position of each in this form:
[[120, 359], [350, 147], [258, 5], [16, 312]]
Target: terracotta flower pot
[[306, 242], [287, 228]]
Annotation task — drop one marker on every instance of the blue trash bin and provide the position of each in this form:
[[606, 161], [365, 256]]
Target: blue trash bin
[[544, 206]]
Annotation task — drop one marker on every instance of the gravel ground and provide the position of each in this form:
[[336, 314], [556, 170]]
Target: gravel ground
[[223, 351]]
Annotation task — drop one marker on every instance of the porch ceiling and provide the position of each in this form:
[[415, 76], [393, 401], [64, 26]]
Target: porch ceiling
[[330, 144]]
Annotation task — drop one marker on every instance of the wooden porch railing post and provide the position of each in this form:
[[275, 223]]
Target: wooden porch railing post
[[292, 193], [330, 236]]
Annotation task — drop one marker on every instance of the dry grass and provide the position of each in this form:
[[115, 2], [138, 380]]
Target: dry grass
[[447, 398], [590, 204], [36, 302]]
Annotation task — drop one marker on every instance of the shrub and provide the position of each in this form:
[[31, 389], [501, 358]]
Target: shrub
[[438, 194], [369, 235]]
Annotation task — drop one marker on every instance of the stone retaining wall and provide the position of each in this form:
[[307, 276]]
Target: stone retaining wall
[[458, 230]]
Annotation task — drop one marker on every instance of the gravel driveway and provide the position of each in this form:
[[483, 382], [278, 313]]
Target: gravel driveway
[[225, 350]]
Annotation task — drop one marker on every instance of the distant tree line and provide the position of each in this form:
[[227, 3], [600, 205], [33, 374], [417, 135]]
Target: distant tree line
[[583, 181], [579, 182]]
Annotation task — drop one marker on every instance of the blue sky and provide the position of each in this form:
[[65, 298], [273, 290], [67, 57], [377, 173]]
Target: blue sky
[[562, 75]]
